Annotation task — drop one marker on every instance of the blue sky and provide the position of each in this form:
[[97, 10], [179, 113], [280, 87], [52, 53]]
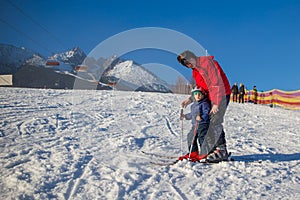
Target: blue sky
[[256, 42]]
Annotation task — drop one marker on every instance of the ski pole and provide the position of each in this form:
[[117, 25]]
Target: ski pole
[[195, 132], [181, 136]]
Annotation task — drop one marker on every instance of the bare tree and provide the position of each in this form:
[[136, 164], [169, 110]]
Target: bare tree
[[182, 86]]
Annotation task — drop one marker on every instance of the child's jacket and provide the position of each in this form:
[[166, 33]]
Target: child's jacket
[[201, 108]]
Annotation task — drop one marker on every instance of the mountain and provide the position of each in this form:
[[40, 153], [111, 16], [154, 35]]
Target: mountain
[[73, 57], [139, 79], [12, 58], [33, 70], [126, 75]]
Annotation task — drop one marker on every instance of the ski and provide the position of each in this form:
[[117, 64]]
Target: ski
[[160, 159], [160, 163], [169, 162], [159, 155], [164, 163]]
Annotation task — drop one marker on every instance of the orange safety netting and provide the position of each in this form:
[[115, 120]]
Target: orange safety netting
[[286, 99]]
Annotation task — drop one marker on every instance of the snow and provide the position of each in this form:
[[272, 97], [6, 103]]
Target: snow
[[137, 76], [77, 144], [74, 56]]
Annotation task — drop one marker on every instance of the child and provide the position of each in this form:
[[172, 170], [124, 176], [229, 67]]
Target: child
[[200, 122]]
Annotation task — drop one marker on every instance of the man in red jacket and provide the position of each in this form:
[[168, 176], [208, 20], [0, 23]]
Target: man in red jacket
[[209, 75]]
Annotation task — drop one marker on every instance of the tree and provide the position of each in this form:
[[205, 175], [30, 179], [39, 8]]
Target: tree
[[182, 86]]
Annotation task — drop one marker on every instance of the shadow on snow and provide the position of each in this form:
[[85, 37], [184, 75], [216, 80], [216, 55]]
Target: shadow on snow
[[271, 157]]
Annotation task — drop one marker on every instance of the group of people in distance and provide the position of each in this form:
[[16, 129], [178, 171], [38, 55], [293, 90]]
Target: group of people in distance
[[238, 93]]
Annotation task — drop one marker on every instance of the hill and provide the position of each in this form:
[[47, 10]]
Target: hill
[[87, 144]]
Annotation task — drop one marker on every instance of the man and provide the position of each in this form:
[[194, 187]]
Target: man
[[241, 93], [209, 75], [255, 95], [235, 92]]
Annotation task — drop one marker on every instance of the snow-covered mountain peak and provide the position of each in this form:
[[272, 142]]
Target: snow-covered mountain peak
[[74, 56], [135, 74], [36, 60]]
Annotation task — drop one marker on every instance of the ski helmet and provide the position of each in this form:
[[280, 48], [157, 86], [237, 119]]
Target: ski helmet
[[196, 89]]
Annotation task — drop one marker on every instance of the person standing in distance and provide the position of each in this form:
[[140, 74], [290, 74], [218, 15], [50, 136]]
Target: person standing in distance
[[235, 91], [241, 93], [255, 94], [209, 75]]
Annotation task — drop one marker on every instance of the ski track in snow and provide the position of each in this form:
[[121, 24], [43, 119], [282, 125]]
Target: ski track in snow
[[62, 144]]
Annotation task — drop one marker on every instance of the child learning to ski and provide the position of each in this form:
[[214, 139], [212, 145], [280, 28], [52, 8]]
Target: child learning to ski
[[199, 115]]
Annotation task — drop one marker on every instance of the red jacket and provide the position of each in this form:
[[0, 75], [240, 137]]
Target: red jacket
[[209, 75]]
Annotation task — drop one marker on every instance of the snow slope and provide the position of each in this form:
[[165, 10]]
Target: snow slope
[[64, 144]]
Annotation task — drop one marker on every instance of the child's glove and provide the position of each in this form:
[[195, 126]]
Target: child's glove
[[182, 116], [198, 118]]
